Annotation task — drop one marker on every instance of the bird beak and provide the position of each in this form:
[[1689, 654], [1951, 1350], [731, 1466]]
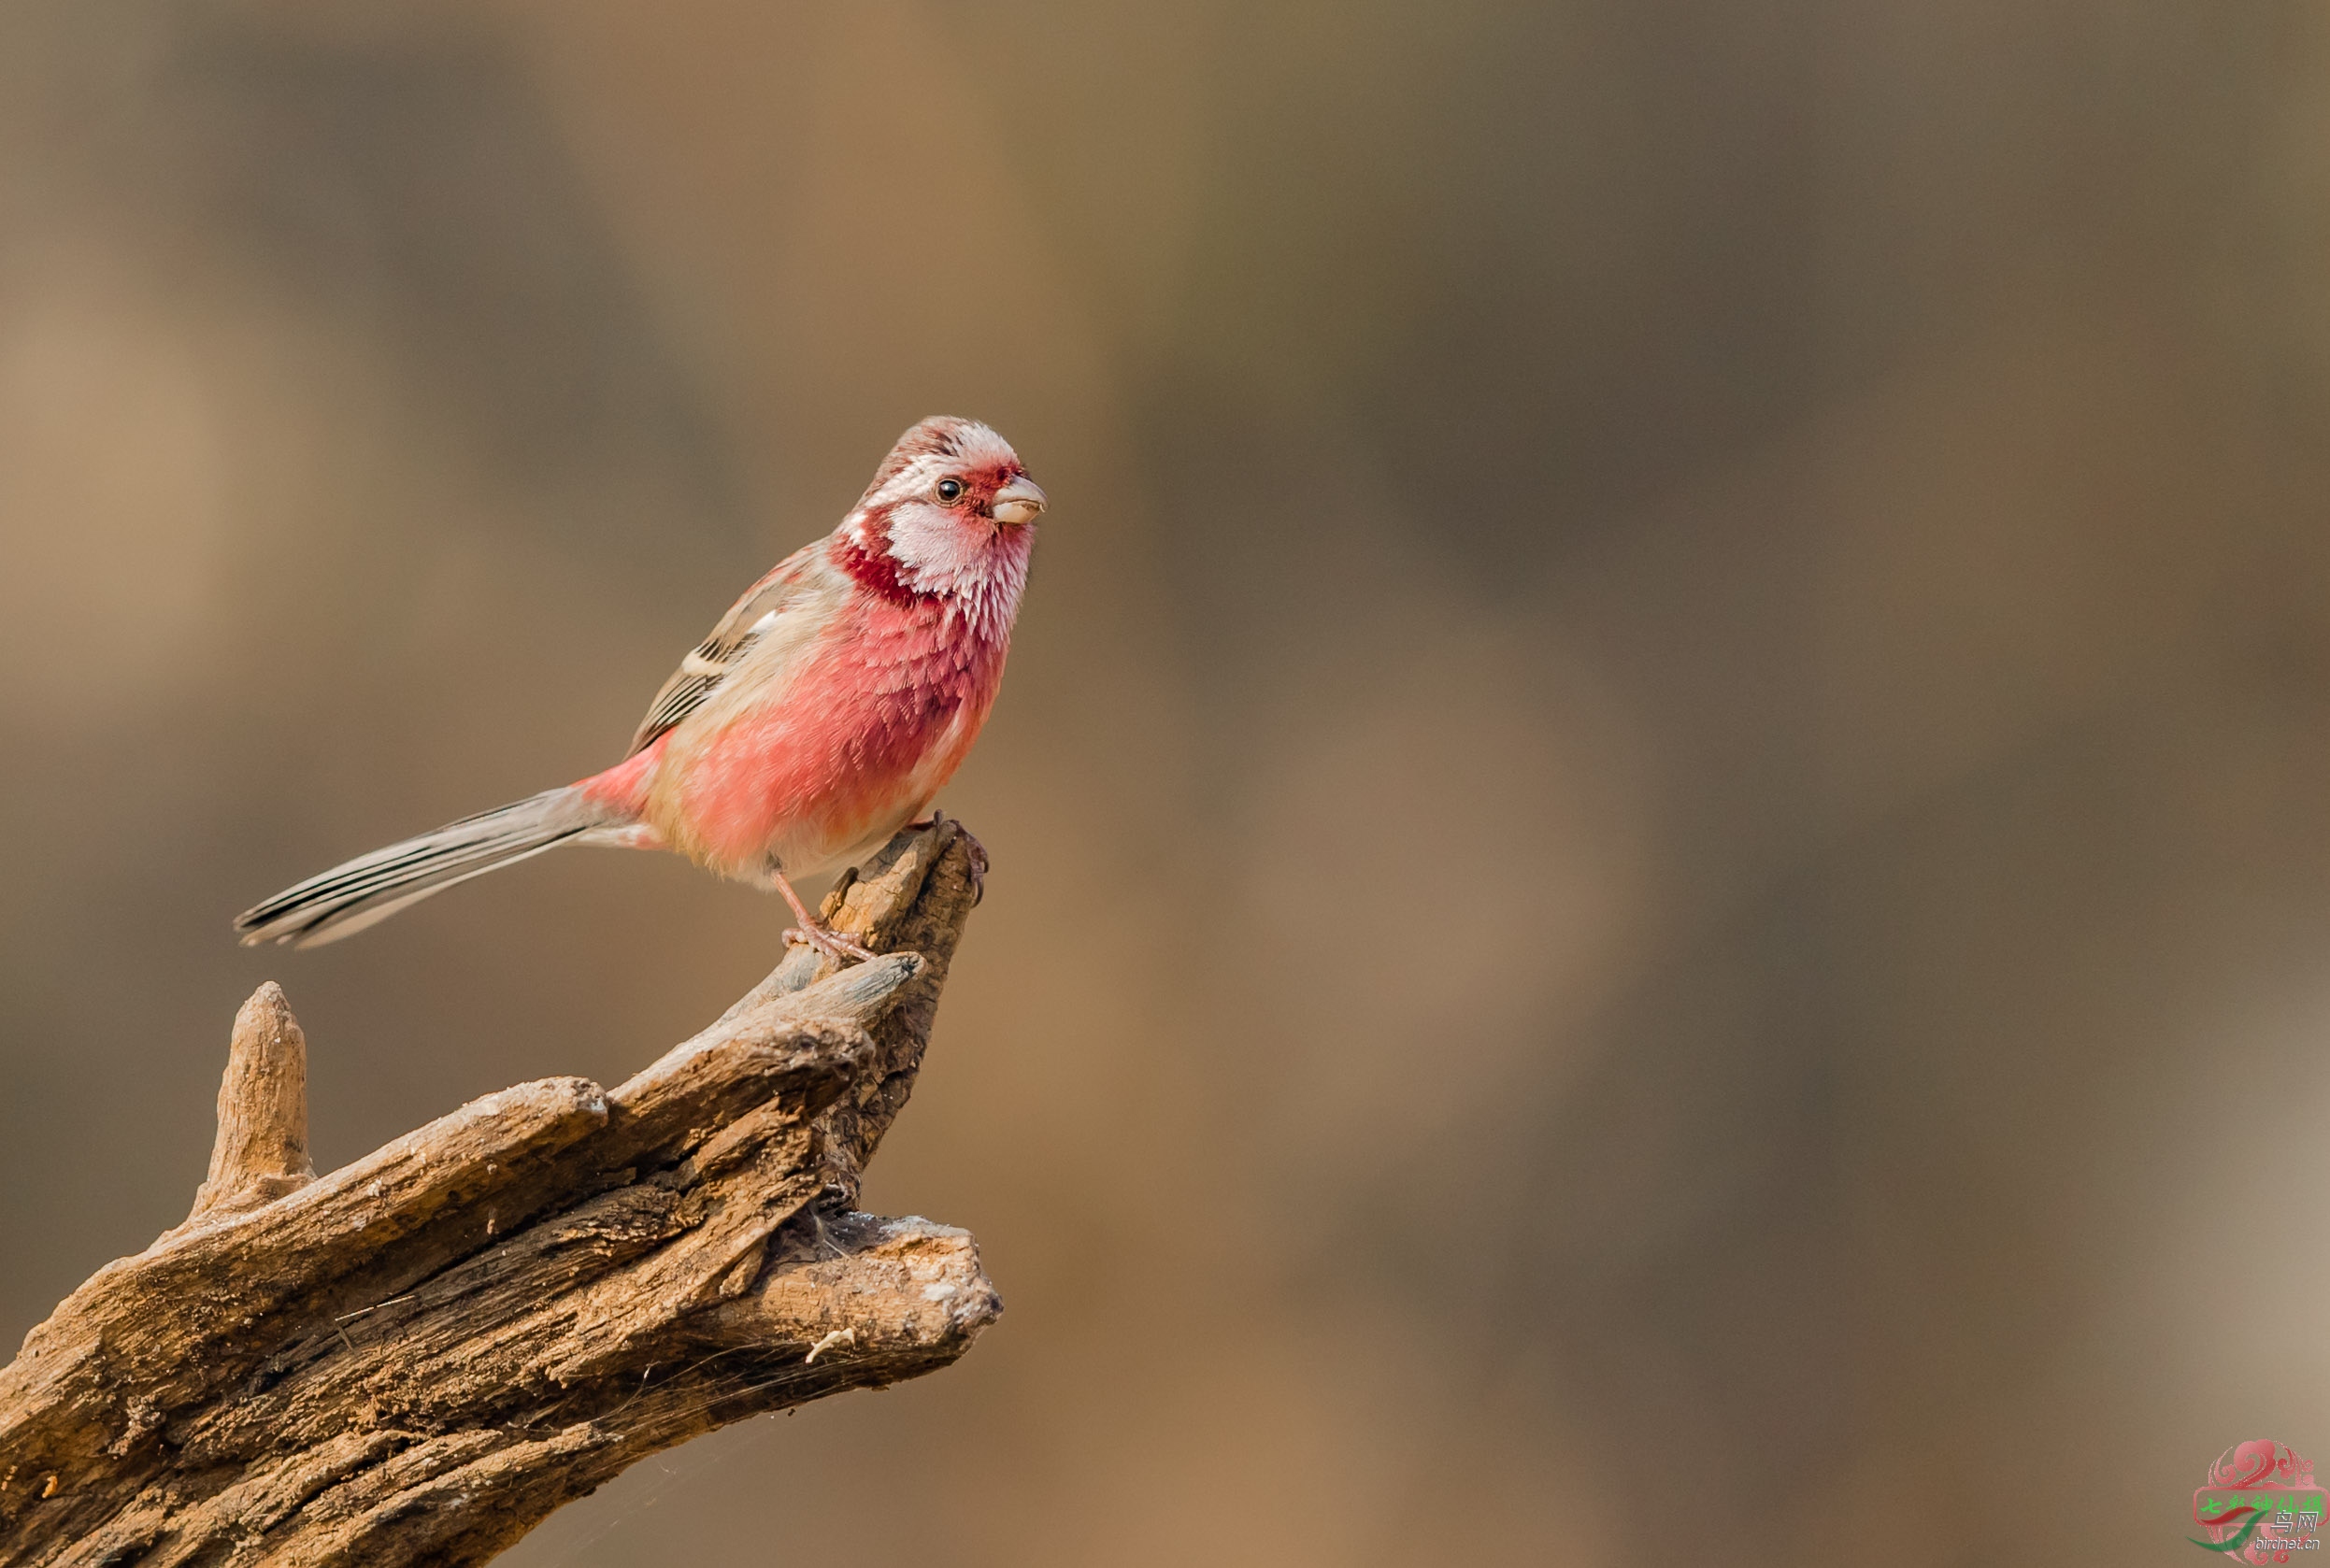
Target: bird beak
[[1019, 501]]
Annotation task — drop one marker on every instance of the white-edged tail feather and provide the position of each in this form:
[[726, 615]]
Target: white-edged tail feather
[[369, 889]]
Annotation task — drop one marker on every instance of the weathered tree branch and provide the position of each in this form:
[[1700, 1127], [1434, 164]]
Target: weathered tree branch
[[418, 1357]]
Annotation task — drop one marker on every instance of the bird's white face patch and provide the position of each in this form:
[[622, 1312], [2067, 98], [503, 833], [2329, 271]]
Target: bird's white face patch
[[979, 565]]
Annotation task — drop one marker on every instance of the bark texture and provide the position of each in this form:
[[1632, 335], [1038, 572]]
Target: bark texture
[[418, 1357]]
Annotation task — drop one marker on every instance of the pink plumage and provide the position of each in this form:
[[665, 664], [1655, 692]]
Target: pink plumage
[[823, 713]]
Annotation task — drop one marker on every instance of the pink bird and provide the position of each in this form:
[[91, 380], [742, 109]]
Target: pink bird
[[824, 712]]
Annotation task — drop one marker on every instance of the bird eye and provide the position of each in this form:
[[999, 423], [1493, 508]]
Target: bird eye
[[950, 489]]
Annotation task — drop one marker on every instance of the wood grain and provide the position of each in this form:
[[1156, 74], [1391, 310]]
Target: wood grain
[[416, 1358]]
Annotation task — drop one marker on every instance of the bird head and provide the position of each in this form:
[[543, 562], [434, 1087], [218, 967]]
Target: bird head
[[958, 469], [950, 510]]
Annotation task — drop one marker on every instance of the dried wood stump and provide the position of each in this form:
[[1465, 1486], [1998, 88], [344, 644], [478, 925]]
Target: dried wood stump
[[418, 1357]]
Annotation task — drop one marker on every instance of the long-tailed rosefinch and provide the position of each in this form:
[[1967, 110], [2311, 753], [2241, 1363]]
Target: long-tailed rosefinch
[[823, 714]]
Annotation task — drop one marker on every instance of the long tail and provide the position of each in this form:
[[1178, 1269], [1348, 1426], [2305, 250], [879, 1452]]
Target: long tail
[[344, 900]]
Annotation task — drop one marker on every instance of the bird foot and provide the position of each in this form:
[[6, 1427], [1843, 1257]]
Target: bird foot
[[978, 852], [831, 943], [979, 869]]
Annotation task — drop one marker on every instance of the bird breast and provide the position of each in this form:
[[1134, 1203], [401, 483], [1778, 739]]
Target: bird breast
[[843, 741]]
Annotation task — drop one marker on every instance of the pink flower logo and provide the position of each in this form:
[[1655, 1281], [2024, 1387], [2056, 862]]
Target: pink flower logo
[[2261, 1504]]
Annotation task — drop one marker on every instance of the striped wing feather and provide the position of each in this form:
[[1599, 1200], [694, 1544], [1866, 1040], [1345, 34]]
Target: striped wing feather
[[718, 656]]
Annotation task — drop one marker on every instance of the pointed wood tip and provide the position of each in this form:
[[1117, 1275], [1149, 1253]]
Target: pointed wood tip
[[267, 1008], [262, 1148]]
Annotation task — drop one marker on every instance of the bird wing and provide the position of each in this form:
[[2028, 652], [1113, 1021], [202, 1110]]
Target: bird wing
[[787, 588]]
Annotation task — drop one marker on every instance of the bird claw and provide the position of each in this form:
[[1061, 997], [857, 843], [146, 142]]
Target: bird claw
[[978, 852], [979, 870], [831, 943]]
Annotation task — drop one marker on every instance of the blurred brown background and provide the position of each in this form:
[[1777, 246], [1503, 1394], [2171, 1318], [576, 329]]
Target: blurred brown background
[[1661, 822]]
